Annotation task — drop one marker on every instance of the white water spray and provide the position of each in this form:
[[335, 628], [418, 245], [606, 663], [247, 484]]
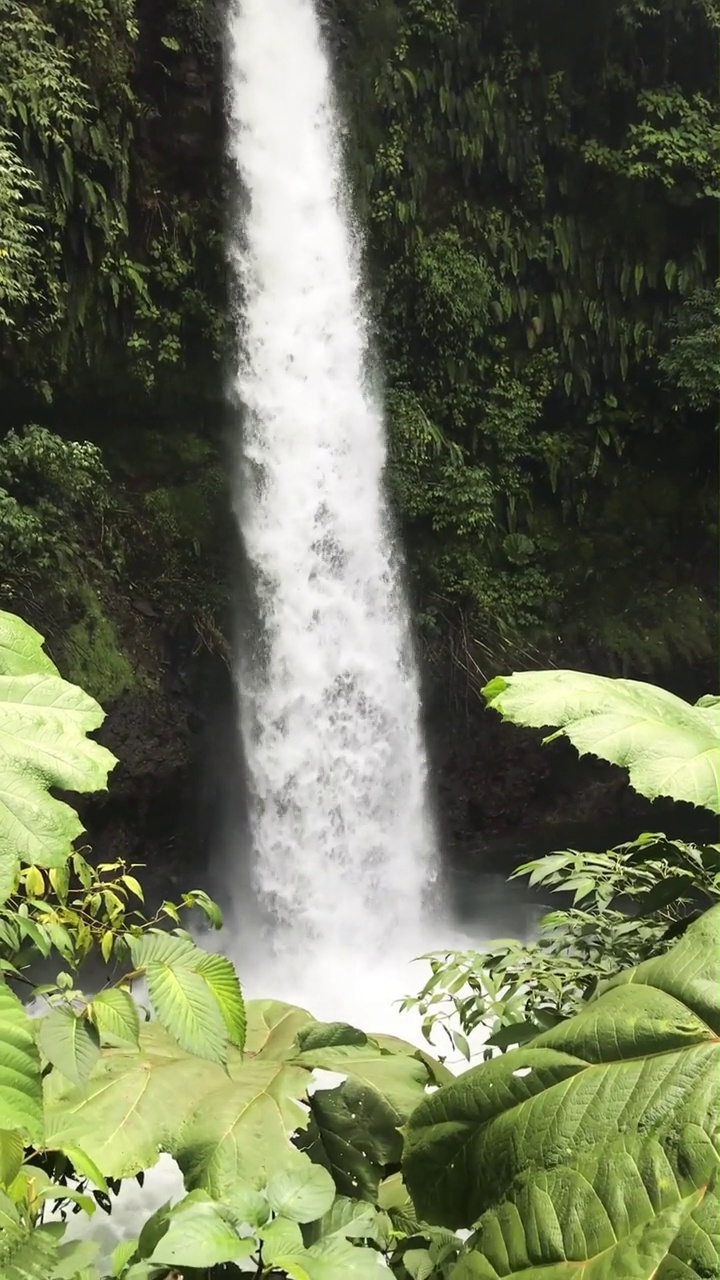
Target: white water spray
[[329, 700]]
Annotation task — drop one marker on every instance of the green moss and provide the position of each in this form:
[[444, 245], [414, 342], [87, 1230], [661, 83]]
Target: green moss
[[92, 655], [185, 512]]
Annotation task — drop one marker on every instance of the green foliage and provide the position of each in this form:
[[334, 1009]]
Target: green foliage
[[45, 724], [92, 1091], [668, 747], [56, 504], [595, 1145], [18, 249], [541, 222], [71, 539], [52, 491], [628, 905], [692, 362], [99, 267], [197, 997], [20, 1086]]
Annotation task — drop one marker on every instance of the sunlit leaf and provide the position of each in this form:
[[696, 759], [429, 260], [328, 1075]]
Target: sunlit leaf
[[20, 1082], [44, 723], [115, 1015], [669, 747], [70, 1042]]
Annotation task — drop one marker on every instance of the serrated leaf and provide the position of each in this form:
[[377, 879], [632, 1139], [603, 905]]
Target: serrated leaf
[[12, 1152], [158, 947], [638, 1255], [25, 1253], [44, 723], [70, 1043], [595, 1145], [221, 978], [115, 1015], [187, 1008], [669, 747], [302, 1194], [20, 1072]]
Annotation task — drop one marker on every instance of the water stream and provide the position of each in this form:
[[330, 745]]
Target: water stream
[[343, 849]]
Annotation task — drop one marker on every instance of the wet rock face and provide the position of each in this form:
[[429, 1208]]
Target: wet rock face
[[178, 774]]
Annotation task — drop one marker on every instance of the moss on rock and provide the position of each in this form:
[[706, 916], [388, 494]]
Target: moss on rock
[[92, 654]]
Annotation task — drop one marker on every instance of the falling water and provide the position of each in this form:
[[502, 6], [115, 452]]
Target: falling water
[[343, 846]]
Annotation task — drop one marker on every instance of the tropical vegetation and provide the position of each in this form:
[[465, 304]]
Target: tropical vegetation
[[540, 191], [589, 1146], [539, 186]]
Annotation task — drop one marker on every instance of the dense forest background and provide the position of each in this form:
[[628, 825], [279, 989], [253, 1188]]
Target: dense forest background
[[539, 186]]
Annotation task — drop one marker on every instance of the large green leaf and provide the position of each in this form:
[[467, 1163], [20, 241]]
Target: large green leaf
[[602, 1127], [132, 1106], [353, 1220], [355, 1128], [620, 1215], [669, 747], [240, 1133], [20, 1084], [330, 1260], [44, 723], [237, 1130]]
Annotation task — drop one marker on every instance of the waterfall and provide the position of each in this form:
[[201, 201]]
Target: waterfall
[[343, 843]]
